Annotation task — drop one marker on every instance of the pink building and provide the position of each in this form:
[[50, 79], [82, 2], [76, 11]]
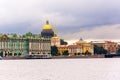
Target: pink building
[[111, 47]]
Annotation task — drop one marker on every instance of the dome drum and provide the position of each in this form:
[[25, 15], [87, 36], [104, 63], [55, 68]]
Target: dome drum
[[47, 33]]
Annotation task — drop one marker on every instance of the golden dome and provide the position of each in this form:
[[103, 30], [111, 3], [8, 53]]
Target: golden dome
[[47, 26]]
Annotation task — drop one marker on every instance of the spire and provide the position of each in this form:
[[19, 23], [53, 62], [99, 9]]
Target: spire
[[47, 22], [55, 31]]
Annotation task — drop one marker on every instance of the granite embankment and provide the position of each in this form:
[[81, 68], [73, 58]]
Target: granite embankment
[[78, 57]]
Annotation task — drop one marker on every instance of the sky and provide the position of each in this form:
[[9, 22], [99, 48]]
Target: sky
[[89, 19]]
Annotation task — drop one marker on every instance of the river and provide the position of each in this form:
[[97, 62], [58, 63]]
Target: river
[[60, 69]]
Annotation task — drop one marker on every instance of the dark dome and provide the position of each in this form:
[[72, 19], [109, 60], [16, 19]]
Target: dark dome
[[47, 33]]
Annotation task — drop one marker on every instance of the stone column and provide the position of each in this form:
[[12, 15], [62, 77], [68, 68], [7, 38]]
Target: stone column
[[30, 52], [3, 53]]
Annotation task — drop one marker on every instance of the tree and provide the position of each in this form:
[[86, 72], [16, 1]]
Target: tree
[[5, 54], [65, 53], [99, 50], [15, 54], [33, 53], [79, 53], [118, 51], [19, 54], [54, 51], [23, 36], [83, 53], [62, 42], [14, 35], [10, 54], [29, 34], [87, 53], [43, 53], [75, 54], [103, 51], [1, 54]]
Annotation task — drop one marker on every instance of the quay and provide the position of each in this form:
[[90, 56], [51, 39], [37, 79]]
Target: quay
[[51, 57]]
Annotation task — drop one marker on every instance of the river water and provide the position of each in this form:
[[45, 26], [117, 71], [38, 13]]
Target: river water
[[60, 69]]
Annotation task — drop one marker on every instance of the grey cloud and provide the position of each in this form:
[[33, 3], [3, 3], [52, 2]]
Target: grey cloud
[[99, 32], [68, 15]]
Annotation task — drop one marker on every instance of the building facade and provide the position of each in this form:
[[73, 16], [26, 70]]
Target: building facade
[[111, 47], [74, 49], [81, 47], [29, 44], [62, 48], [24, 47]]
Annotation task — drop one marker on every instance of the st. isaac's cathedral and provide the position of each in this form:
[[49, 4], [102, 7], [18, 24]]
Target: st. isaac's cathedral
[[16, 45], [47, 31]]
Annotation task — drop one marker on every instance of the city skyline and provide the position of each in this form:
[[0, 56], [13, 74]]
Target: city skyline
[[95, 19]]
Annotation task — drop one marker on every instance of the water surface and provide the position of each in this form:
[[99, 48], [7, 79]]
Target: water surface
[[60, 69]]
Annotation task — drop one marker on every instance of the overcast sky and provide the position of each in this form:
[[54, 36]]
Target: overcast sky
[[90, 19]]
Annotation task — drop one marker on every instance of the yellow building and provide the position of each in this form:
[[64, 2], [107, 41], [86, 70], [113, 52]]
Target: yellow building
[[74, 49], [62, 48], [81, 47]]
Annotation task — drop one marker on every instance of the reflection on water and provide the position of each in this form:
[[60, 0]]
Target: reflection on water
[[60, 69]]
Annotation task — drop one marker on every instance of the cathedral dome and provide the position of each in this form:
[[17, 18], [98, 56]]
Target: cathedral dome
[[47, 26], [47, 30]]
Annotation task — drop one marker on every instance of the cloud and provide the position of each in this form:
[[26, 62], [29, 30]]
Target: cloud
[[70, 16], [99, 32], [64, 12]]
